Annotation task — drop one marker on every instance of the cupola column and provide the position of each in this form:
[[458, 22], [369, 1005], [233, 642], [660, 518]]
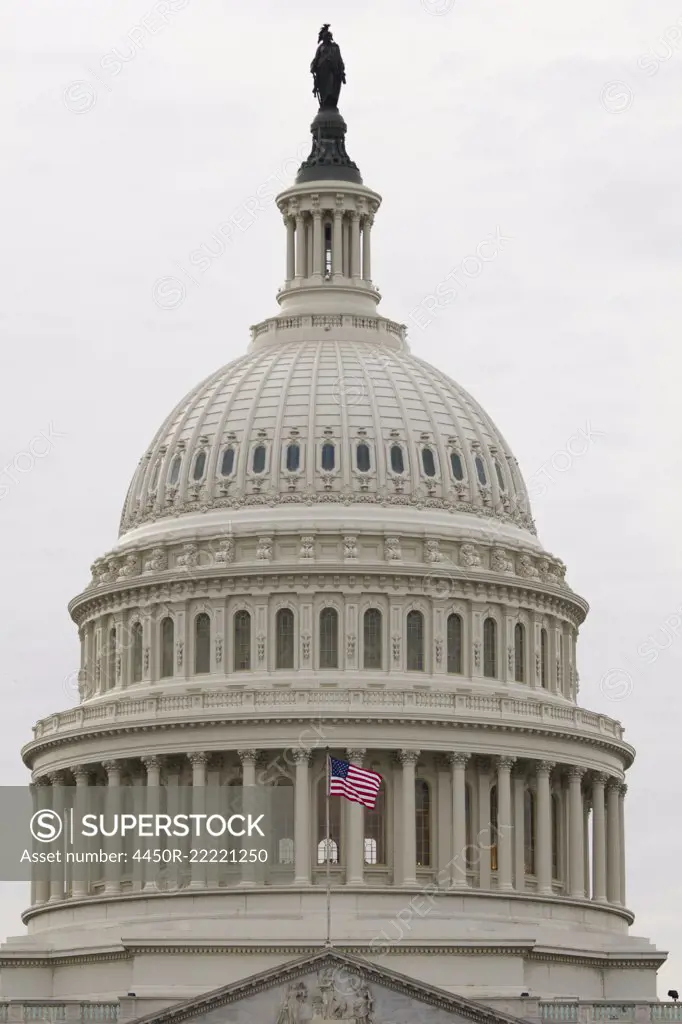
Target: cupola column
[[300, 246], [367, 248], [355, 244], [291, 246], [317, 239], [337, 242], [622, 790]]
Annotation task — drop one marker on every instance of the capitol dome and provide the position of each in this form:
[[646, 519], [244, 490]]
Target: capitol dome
[[328, 409], [327, 549]]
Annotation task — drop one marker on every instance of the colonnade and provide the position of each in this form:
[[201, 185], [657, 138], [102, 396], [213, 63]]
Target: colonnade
[[328, 243], [458, 820]]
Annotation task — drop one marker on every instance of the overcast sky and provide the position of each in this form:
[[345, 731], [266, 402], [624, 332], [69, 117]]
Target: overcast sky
[[549, 122]]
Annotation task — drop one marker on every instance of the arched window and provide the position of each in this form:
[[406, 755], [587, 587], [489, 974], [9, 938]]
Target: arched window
[[242, 641], [500, 478], [136, 640], [529, 831], [328, 457], [227, 462], [258, 463], [155, 476], [372, 642], [544, 659], [167, 647], [397, 461], [519, 653], [454, 639], [199, 466], [284, 630], [456, 466], [480, 471], [415, 642], [283, 821], [334, 825], [490, 648], [428, 462], [493, 828], [202, 643], [175, 469], [422, 798], [329, 638], [293, 457], [555, 835], [111, 659], [362, 458], [375, 830]]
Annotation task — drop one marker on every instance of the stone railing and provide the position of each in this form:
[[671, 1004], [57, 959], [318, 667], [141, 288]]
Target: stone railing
[[88, 1013], [131, 710], [337, 322], [589, 1012]]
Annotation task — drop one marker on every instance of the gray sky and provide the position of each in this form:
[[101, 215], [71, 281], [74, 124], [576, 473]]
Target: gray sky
[[549, 122]]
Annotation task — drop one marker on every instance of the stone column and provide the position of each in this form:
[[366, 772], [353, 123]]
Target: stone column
[[355, 819], [317, 243], [576, 853], [458, 764], [112, 874], [301, 269], [443, 823], [199, 761], [291, 247], [587, 804], [543, 865], [484, 840], [248, 759], [613, 842], [504, 824], [302, 858], [41, 872], [57, 874], [137, 846], [80, 874], [355, 245], [408, 759], [519, 788], [598, 839], [153, 768], [337, 243], [622, 790], [367, 247]]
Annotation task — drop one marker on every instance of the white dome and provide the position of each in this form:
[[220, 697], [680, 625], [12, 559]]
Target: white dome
[[356, 385]]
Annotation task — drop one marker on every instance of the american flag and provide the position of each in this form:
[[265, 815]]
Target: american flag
[[354, 783]]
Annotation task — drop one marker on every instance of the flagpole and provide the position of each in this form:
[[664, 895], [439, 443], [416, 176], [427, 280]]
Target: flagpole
[[327, 846]]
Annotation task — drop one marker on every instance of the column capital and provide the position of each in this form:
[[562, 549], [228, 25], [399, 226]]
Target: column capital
[[56, 778], [505, 764], [112, 766], [456, 757], [80, 773], [613, 783], [151, 761], [408, 756], [544, 767], [622, 788], [356, 755], [301, 755], [248, 756], [198, 757], [576, 772], [599, 779]]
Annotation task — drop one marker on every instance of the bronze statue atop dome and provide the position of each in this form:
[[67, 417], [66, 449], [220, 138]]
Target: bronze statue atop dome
[[328, 70]]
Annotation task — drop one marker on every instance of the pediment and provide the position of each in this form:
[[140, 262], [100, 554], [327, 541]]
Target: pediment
[[324, 988]]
